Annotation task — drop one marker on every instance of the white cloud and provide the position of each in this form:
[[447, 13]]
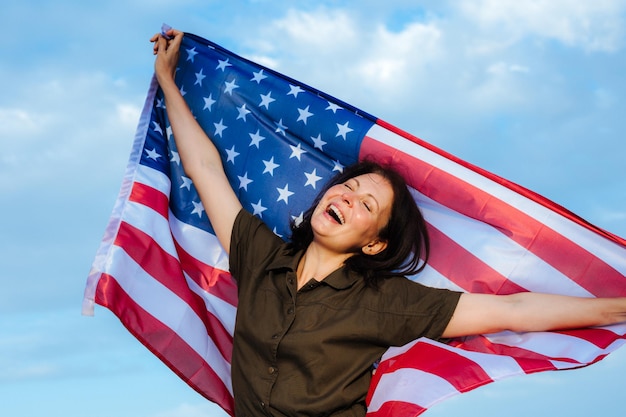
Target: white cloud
[[502, 68], [57, 128], [394, 60], [348, 56], [329, 29], [466, 78], [128, 114], [19, 123], [592, 25]]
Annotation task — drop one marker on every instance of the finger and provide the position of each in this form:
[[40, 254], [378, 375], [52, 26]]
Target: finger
[[172, 33], [176, 40], [160, 45], [155, 45]]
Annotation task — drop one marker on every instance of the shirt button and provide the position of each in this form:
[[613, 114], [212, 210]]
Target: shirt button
[[290, 310], [271, 370], [276, 336], [291, 281]]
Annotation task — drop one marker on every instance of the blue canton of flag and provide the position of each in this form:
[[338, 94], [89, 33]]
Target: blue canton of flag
[[280, 141]]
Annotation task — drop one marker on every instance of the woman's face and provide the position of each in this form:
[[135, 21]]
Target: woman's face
[[350, 216]]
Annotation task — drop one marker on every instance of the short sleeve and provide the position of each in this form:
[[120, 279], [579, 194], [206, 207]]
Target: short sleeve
[[413, 310], [252, 243]]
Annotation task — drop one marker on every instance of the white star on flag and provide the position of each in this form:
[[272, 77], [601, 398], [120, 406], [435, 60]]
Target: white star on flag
[[230, 86], [243, 112], [208, 102], [198, 208], [284, 194], [199, 77], [296, 151], [258, 209], [343, 130], [294, 90], [266, 100], [222, 64], [270, 166], [312, 178], [191, 54], [244, 181], [258, 77], [256, 138], [219, 127], [153, 154], [232, 154], [186, 182], [304, 114]]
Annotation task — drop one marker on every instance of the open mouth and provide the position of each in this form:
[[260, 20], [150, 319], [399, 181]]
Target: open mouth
[[335, 214]]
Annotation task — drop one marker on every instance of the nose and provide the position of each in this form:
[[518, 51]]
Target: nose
[[348, 198]]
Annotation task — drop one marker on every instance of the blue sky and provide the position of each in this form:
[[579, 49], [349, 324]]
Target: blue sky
[[533, 91]]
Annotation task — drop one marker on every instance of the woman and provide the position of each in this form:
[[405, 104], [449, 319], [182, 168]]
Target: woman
[[314, 314]]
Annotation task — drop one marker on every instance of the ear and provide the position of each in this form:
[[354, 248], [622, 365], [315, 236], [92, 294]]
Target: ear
[[374, 247]]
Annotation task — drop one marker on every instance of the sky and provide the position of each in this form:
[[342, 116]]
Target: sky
[[530, 90]]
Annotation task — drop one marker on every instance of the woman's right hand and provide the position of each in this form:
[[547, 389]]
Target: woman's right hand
[[167, 52]]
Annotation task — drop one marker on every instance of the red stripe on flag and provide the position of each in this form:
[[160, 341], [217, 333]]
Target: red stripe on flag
[[397, 408], [465, 269], [455, 368], [529, 361], [164, 343], [529, 233], [165, 269], [502, 181], [212, 280], [602, 338], [150, 197]]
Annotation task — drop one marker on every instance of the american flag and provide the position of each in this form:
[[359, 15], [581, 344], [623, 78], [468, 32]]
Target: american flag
[[161, 271]]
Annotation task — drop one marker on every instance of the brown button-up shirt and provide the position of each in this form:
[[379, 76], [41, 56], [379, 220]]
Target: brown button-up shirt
[[310, 352]]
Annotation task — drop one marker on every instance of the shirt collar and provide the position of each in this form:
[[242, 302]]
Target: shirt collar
[[340, 279]]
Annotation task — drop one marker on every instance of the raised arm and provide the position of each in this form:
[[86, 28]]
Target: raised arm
[[523, 312], [199, 157]]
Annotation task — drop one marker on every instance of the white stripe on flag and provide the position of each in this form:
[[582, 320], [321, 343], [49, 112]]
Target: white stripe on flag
[[225, 312], [509, 259], [407, 385], [168, 308], [554, 345], [590, 241], [153, 178], [202, 245]]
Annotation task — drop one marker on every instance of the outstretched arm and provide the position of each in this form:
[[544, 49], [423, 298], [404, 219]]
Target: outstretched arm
[[524, 312], [199, 157]]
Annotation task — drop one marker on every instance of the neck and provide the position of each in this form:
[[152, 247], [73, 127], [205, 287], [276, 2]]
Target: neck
[[317, 263]]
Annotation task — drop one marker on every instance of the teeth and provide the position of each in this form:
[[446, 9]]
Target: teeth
[[334, 211]]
